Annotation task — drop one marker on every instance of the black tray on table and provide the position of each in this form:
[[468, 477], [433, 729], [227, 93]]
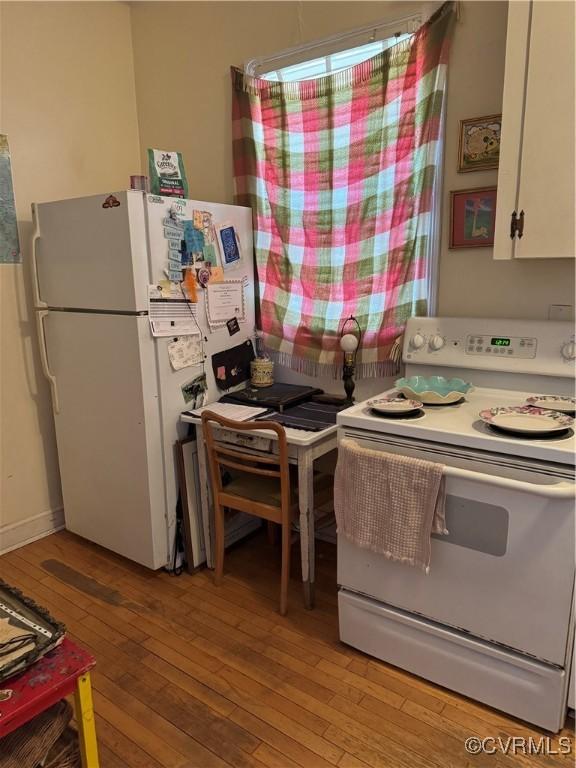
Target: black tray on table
[[309, 416], [277, 396]]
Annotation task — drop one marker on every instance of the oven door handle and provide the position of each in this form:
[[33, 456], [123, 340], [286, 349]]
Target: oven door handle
[[556, 491]]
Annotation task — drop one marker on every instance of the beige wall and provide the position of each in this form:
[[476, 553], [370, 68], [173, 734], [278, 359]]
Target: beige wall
[[68, 106]]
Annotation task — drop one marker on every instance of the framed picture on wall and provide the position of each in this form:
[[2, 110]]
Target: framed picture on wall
[[479, 147], [472, 217]]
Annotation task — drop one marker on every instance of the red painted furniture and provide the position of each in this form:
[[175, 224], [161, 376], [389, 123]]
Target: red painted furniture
[[63, 671]]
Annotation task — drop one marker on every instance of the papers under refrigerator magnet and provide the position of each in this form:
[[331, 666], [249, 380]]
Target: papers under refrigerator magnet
[[194, 241], [229, 245], [169, 311], [224, 301], [194, 391], [185, 351]]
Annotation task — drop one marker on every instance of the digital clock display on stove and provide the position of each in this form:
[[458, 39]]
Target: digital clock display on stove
[[500, 342]]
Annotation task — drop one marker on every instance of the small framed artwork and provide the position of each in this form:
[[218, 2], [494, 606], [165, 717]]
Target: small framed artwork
[[472, 217], [479, 147]]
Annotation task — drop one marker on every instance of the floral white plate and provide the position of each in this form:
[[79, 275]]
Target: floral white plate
[[394, 405], [553, 402], [527, 418]]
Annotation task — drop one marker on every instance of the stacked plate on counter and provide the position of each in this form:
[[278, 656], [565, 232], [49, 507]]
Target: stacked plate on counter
[[541, 416], [554, 403], [395, 406]]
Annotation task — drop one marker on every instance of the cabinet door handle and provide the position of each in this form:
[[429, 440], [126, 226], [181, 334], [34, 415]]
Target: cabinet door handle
[[516, 225], [513, 220]]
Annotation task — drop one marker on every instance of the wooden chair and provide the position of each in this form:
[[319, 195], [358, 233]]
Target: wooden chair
[[260, 486]]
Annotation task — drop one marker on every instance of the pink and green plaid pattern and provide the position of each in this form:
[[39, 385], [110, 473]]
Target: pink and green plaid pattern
[[339, 173]]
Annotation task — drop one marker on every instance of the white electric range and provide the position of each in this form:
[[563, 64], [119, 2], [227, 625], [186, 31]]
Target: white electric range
[[494, 618]]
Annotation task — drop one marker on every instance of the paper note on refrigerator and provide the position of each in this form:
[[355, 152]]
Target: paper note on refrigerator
[[185, 351], [224, 301], [169, 312]]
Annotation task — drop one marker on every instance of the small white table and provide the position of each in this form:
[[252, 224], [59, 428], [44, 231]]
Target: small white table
[[303, 449]]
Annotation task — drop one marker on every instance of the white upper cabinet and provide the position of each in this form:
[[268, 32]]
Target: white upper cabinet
[[536, 171]]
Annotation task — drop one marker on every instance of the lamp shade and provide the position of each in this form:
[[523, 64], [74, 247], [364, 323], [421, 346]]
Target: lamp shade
[[349, 343]]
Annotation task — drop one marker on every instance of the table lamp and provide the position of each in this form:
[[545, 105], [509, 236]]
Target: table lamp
[[349, 343]]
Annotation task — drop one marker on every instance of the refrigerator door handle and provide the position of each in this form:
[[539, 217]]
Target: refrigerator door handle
[[38, 302], [40, 315]]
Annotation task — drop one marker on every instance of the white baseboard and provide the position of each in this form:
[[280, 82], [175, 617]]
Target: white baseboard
[[23, 532]]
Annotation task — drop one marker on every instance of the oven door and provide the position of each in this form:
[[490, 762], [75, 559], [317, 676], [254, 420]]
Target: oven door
[[505, 572]]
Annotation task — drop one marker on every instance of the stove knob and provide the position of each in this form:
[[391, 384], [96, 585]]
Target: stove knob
[[436, 342], [568, 350], [417, 341]]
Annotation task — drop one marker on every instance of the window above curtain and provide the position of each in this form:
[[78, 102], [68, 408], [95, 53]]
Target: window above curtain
[[339, 51], [333, 62]]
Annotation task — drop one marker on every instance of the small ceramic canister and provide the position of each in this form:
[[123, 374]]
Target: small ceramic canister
[[261, 372]]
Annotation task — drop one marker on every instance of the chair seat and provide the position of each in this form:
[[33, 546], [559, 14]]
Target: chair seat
[[266, 490]]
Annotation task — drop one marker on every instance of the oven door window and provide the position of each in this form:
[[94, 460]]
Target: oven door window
[[476, 525]]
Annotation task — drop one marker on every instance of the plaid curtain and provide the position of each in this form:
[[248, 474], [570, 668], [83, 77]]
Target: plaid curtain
[[339, 173]]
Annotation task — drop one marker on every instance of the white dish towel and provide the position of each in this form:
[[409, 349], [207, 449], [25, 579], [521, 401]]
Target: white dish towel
[[388, 503]]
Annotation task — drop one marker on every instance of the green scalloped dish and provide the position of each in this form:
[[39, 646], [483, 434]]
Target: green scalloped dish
[[433, 390]]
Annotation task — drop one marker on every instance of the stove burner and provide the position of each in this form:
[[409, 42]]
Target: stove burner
[[548, 436], [418, 414]]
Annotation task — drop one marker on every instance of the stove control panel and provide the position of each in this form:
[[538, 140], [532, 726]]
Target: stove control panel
[[515, 346], [541, 347]]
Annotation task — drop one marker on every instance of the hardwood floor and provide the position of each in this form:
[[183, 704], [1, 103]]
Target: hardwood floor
[[190, 675]]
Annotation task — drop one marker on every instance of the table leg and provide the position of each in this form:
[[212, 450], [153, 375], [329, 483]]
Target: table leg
[[85, 722], [306, 509], [204, 496]]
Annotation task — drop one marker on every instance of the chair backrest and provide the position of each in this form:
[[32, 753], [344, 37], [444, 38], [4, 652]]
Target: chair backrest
[[223, 455]]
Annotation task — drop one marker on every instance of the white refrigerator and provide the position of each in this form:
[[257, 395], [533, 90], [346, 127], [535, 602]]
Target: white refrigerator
[[116, 397]]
